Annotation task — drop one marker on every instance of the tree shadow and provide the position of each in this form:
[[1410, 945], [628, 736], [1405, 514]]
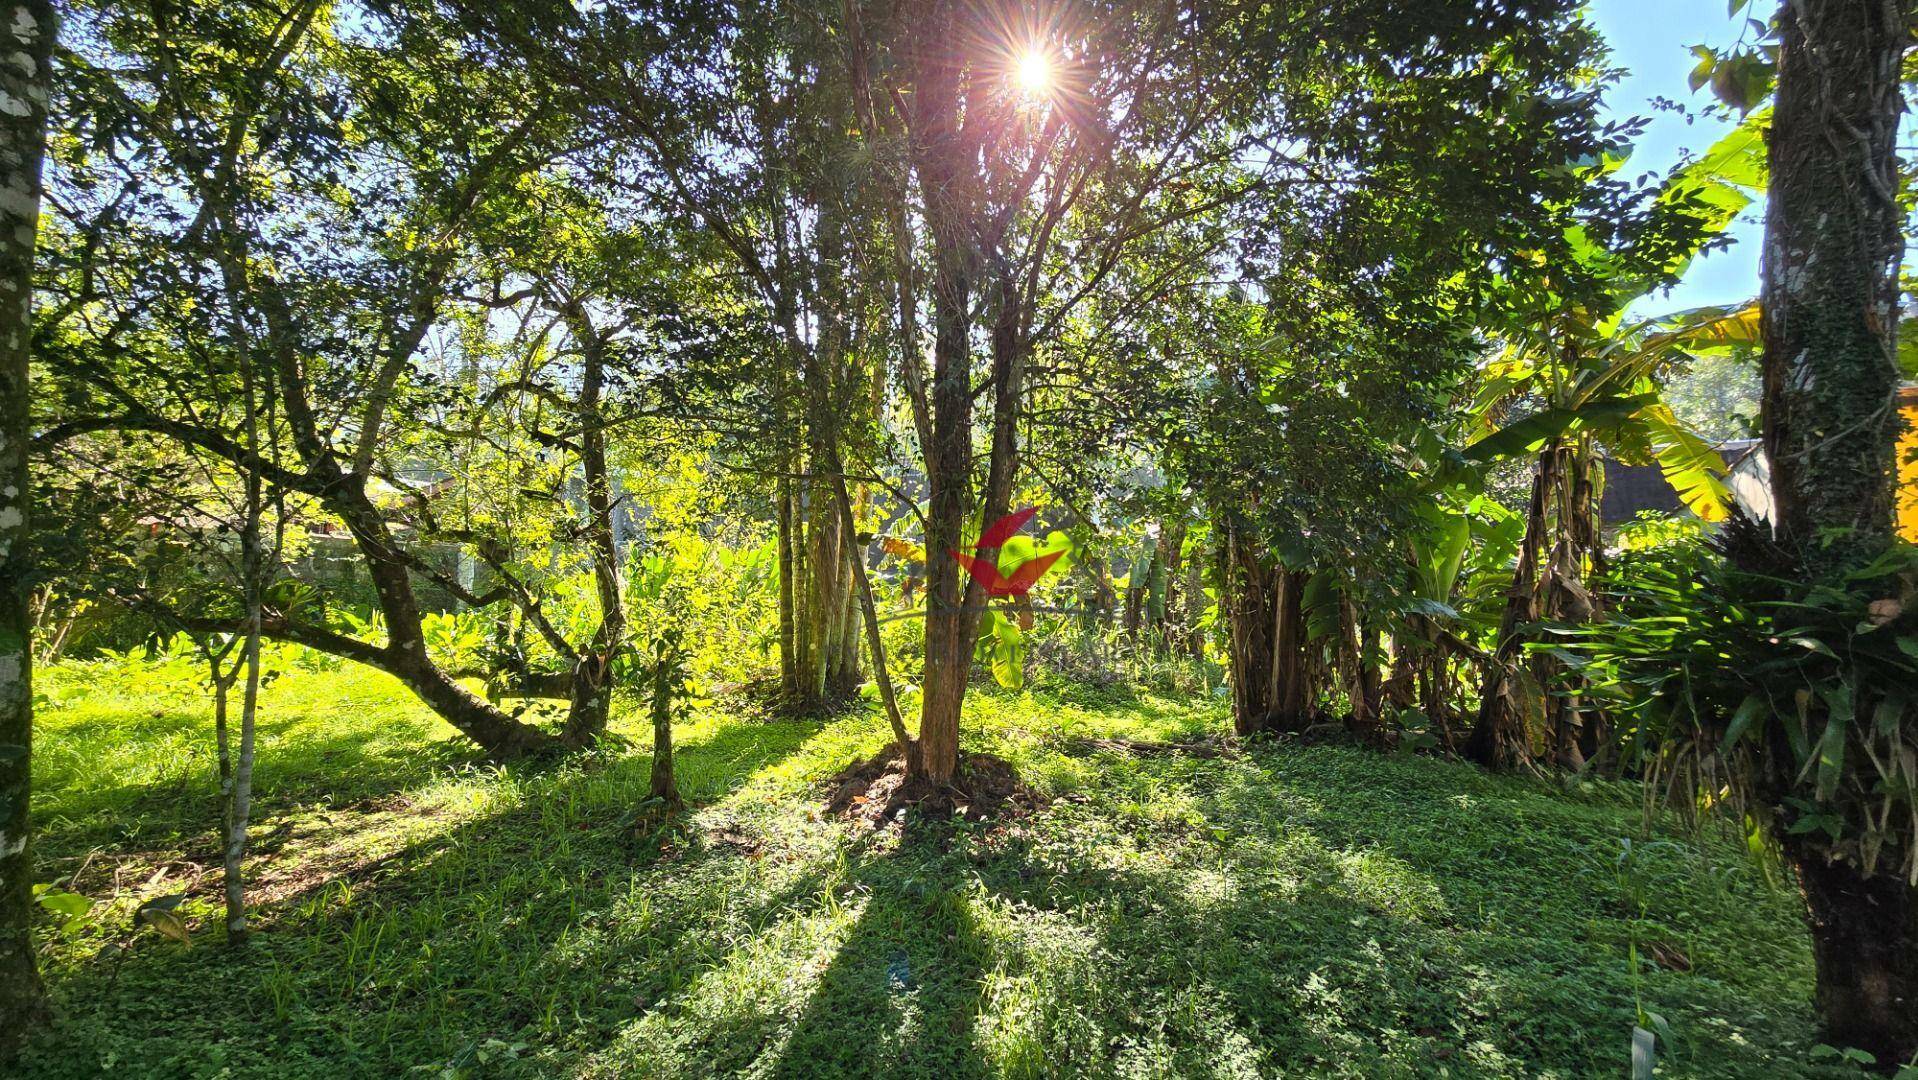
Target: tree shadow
[[1455, 916], [558, 910], [1272, 911], [175, 809], [903, 989]]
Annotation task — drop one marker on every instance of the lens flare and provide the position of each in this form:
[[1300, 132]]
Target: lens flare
[[1033, 74]]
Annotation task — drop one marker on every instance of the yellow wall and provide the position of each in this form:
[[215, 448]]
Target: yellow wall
[[1907, 467]]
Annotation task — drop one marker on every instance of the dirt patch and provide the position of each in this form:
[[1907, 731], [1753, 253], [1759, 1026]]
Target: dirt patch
[[732, 840], [878, 792], [1205, 746], [288, 857], [762, 699]]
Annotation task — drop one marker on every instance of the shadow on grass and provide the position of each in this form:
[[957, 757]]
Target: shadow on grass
[[178, 804], [1362, 913], [513, 919], [1317, 912], [904, 988]]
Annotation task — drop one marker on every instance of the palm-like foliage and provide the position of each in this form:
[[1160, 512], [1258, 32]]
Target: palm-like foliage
[[1575, 376], [1600, 383]]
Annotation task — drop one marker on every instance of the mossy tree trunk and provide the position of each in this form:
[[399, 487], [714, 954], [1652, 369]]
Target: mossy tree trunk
[[1830, 283], [1833, 245]]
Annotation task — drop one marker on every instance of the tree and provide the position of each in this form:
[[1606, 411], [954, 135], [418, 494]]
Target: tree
[[762, 150], [252, 174], [1833, 243], [1597, 389], [256, 561], [1774, 670], [1352, 327], [1107, 191], [24, 92]]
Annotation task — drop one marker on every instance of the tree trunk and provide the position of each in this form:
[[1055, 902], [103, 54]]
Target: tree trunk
[[1294, 690], [940, 158], [592, 689], [1830, 288], [1248, 600], [788, 592], [1864, 932], [406, 657], [945, 156], [664, 785], [28, 33], [1499, 740], [1138, 580], [1364, 684], [875, 642], [1193, 607], [497, 733], [1830, 294], [829, 654], [253, 574], [239, 784]]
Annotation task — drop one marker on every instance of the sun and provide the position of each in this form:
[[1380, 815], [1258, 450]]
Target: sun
[[1033, 74]]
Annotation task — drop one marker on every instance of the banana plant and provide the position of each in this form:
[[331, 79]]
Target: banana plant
[[1595, 372], [1601, 384], [1575, 377]]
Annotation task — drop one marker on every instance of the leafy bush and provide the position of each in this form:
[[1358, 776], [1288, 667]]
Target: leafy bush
[[457, 640], [1796, 703]]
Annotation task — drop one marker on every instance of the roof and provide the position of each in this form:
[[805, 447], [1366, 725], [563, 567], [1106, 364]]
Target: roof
[[1634, 489]]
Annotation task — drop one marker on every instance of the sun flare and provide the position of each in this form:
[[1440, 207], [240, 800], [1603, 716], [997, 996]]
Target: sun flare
[[1033, 74]]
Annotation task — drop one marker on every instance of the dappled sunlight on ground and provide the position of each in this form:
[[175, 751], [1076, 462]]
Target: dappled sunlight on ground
[[1181, 907]]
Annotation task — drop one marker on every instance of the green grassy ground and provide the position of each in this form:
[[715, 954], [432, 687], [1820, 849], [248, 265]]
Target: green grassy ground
[[1281, 911]]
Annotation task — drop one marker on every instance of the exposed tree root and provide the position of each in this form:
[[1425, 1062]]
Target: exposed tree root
[[879, 793]]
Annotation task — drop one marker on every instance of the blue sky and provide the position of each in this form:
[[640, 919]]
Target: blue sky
[[1653, 39]]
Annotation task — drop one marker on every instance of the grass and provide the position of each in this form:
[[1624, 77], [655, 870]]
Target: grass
[[1279, 911]]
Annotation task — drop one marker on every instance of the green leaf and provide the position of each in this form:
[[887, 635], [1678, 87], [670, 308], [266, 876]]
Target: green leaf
[[1702, 71], [1890, 712], [1744, 79], [1831, 745], [1008, 659], [1748, 710], [1689, 464], [159, 913], [71, 905], [1814, 645], [167, 921], [1524, 436], [1426, 606], [1321, 601], [1796, 732]]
